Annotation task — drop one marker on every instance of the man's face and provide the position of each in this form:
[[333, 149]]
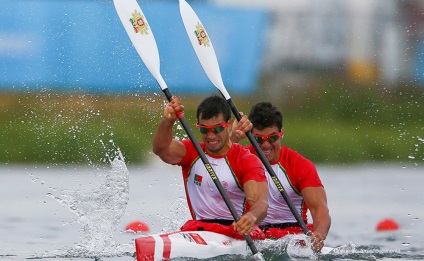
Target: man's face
[[270, 142], [217, 135]]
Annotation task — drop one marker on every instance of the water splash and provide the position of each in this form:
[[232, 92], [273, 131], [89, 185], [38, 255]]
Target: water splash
[[288, 247], [178, 209], [100, 211]]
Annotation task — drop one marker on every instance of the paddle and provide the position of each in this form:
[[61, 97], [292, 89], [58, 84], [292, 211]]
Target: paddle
[[141, 35], [205, 52]]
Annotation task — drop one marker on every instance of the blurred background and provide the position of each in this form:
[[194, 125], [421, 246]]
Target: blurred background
[[348, 76]]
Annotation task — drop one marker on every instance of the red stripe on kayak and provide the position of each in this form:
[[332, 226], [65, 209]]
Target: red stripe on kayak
[[166, 246], [145, 248]]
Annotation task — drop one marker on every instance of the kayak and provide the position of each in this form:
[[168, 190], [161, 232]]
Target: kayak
[[192, 244]]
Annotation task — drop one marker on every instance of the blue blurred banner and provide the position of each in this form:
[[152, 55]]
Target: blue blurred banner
[[82, 45], [419, 62]]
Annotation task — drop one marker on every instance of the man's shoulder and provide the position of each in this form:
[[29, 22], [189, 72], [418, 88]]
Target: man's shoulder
[[288, 152], [244, 156], [242, 150], [190, 148], [246, 165], [189, 143], [291, 156]]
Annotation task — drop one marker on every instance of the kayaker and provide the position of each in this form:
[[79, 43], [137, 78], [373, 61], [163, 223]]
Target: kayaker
[[239, 171], [297, 174]]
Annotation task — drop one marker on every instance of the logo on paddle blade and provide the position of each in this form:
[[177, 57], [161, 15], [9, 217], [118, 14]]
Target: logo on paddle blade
[[198, 180], [202, 37], [139, 23]]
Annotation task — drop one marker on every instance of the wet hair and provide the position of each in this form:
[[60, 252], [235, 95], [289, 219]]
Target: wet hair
[[213, 106], [264, 115]]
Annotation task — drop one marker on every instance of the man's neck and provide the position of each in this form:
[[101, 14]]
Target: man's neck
[[221, 152]]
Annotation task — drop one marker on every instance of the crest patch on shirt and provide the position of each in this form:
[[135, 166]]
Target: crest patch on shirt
[[224, 184], [198, 180]]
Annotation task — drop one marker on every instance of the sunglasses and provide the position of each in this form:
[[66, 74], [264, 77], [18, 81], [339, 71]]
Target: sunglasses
[[270, 138], [214, 128]]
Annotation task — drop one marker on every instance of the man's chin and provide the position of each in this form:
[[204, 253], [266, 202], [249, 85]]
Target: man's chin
[[270, 157], [214, 149]]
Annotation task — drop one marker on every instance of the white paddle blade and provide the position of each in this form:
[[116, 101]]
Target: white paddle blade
[[202, 45], [141, 35]]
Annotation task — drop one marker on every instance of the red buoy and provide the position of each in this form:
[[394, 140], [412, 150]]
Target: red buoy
[[387, 224], [136, 227]]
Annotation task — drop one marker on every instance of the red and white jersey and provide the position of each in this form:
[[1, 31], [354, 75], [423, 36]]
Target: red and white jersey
[[295, 173], [232, 170]]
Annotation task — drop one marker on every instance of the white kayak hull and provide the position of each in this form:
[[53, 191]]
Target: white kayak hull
[[195, 244]]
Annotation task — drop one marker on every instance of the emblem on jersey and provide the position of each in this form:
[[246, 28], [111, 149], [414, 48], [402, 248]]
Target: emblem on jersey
[[198, 180], [224, 184], [139, 23], [202, 37]]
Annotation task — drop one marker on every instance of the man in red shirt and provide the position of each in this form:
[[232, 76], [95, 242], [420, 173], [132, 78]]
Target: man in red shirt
[[297, 174], [239, 171]]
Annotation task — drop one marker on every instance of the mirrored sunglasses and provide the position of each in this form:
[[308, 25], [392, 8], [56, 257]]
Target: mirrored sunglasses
[[214, 128], [270, 138]]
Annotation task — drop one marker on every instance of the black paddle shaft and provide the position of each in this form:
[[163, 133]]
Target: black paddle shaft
[[271, 171], [212, 174]]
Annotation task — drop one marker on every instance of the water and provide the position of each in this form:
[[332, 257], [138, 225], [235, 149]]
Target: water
[[80, 212]]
